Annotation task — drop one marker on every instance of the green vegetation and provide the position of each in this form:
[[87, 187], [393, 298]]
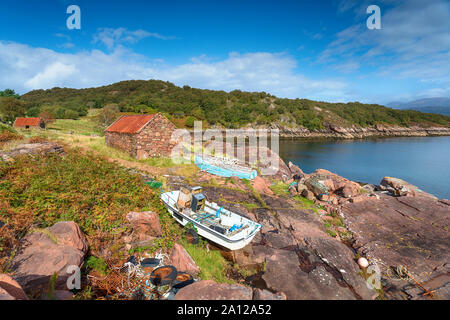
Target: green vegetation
[[213, 265], [83, 126], [97, 264], [11, 108], [85, 188], [230, 109], [9, 93], [304, 203], [279, 188]]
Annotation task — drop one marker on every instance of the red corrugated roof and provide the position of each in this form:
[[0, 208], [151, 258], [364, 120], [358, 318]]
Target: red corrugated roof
[[130, 124], [23, 122]]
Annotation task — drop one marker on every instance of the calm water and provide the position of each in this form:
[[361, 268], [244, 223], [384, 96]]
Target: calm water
[[422, 161]]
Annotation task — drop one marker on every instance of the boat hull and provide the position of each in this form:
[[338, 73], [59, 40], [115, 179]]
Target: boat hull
[[209, 234]]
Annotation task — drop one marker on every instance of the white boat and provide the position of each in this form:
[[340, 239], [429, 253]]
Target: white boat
[[217, 224]]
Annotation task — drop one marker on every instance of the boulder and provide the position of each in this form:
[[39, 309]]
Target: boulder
[[350, 189], [301, 187], [323, 181], [400, 187], [370, 188], [308, 194], [48, 251], [181, 260], [295, 170], [329, 184], [210, 290], [261, 185], [316, 186], [4, 295], [10, 289], [146, 227], [293, 190], [262, 294]]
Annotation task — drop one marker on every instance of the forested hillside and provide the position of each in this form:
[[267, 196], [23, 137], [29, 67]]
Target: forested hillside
[[232, 110]]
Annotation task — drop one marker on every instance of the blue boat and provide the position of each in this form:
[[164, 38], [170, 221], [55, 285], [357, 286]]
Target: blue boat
[[224, 167]]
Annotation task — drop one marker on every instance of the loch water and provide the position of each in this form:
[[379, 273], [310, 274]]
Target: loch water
[[422, 161]]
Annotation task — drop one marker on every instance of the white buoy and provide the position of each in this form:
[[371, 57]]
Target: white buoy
[[363, 263]]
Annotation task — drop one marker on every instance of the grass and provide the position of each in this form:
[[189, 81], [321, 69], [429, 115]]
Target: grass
[[213, 265], [279, 188], [84, 126], [83, 133], [255, 194], [304, 203]]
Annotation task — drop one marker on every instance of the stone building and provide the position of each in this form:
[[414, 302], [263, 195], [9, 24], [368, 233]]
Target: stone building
[[142, 136], [29, 123]]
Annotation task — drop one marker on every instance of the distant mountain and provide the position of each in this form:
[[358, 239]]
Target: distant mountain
[[429, 105]]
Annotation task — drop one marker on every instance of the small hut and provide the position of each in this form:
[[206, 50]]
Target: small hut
[[142, 136]]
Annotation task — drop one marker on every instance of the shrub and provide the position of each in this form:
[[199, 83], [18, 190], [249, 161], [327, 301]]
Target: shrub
[[86, 189], [190, 122]]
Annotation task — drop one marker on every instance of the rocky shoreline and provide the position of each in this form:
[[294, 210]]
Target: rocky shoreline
[[339, 132], [356, 132], [316, 228]]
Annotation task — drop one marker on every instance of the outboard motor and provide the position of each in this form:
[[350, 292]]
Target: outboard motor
[[198, 199]]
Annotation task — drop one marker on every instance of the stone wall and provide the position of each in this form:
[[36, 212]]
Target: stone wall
[[123, 141], [155, 139]]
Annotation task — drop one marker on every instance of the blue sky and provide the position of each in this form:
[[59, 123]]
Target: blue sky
[[319, 50]]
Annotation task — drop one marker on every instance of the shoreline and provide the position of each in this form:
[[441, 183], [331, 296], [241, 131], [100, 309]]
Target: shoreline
[[364, 133], [340, 133]]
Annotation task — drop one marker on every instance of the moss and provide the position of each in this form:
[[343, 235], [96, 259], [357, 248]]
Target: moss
[[331, 233], [48, 233], [279, 188]]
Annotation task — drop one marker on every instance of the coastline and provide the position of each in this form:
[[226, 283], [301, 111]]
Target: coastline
[[333, 132], [361, 133]]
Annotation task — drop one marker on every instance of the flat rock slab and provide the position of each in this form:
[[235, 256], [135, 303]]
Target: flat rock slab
[[210, 290], [284, 274], [32, 149], [403, 231]]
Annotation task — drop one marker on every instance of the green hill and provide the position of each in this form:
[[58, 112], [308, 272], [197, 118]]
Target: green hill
[[228, 109]]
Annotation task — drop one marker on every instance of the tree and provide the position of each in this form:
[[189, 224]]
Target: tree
[[70, 114], [9, 93], [107, 115], [190, 122], [33, 112], [46, 117], [12, 108]]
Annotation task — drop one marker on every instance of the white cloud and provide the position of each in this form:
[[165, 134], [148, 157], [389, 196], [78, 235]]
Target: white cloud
[[113, 37], [26, 68], [52, 73], [414, 41]]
